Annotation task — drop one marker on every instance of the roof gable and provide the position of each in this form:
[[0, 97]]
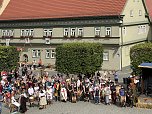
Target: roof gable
[[149, 8], [39, 9]]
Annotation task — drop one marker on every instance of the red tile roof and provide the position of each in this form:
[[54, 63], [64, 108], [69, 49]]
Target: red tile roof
[[1, 1], [149, 8], [37, 9]]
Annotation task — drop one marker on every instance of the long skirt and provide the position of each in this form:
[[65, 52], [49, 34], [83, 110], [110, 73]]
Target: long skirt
[[43, 101], [107, 99]]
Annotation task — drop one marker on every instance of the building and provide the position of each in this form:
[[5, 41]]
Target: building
[[37, 27], [148, 4]]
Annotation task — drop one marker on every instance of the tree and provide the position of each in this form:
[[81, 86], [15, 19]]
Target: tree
[[74, 58], [140, 53], [9, 56]]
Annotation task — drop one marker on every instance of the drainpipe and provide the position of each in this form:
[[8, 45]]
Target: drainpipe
[[121, 38]]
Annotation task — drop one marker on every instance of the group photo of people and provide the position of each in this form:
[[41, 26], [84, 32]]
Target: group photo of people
[[21, 89]]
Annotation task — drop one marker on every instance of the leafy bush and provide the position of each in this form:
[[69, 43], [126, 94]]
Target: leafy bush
[[84, 58], [140, 53], [9, 56]]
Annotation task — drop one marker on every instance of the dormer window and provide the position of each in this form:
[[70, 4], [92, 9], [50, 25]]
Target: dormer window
[[47, 33]]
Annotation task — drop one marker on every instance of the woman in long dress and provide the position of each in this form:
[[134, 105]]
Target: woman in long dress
[[49, 94], [63, 93], [22, 101], [42, 96]]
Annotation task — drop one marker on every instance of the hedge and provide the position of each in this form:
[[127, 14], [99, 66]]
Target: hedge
[[84, 58], [9, 56], [140, 53]]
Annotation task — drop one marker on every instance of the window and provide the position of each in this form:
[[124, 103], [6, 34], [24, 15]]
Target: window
[[105, 56], [66, 32], [22, 33], [80, 32], [47, 40], [47, 55], [131, 13], [4, 33], [141, 29], [124, 30], [27, 40], [7, 42], [52, 53], [47, 33], [36, 53], [97, 31], [27, 33], [108, 31], [50, 32], [31, 32], [7, 33], [73, 30], [11, 33], [140, 12], [144, 28]]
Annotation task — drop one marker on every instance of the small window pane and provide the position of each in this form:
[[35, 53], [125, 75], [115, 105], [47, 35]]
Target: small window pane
[[47, 54], [105, 56], [97, 31], [34, 53], [80, 32], [38, 53], [52, 53], [72, 31], [66, 31]]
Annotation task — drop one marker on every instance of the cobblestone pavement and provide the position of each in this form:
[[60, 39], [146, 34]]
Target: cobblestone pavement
[[125, 72], [83, 108]]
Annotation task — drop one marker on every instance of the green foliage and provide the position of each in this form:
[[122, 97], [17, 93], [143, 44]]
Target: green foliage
[[9, 56], [79, 58], [140, 53]]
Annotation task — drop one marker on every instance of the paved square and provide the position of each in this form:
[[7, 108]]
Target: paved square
[[83, 108]]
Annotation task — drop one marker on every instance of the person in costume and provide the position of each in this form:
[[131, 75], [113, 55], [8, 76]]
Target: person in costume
[[22, 101], [63, 93], [49, 94], [43, 101]]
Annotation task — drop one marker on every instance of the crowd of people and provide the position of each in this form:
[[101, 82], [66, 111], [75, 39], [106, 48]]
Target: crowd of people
[[22, 85]]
